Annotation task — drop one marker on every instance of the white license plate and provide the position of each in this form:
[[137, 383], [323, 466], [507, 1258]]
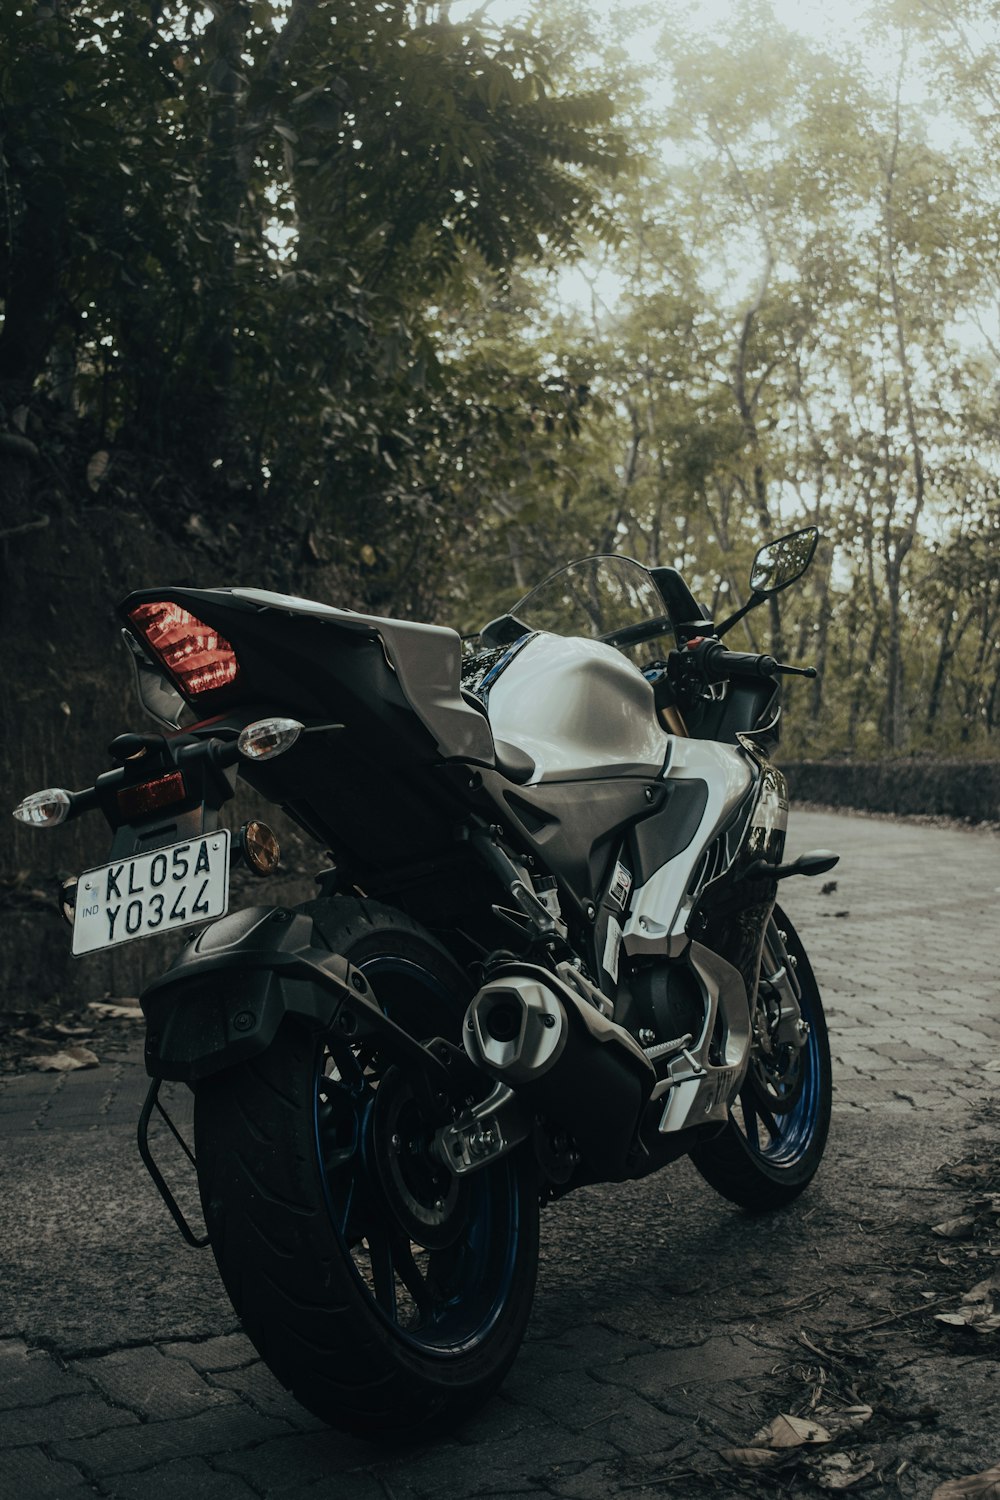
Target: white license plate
[[152, 893]]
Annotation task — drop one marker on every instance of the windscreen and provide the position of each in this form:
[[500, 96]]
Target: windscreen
[[602, 597]]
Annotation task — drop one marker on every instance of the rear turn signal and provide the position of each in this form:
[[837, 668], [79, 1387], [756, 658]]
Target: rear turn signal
[[267, 738], [44, 809], [198, 658]]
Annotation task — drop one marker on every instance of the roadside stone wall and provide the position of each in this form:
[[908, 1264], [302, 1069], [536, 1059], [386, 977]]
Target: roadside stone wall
[[964, 789]]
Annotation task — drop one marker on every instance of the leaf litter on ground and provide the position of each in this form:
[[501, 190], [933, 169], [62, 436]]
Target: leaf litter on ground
[[979, 1310], [67, 1061], [959, 1228], [985, 1486]]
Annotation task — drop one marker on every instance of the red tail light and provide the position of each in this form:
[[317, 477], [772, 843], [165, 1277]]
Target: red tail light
[[197, 657]]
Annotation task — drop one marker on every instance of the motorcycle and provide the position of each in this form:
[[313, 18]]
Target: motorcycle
[[544, 950]]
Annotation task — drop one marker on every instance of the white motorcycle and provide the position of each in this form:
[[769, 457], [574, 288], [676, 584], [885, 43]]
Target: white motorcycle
[[544, 952]]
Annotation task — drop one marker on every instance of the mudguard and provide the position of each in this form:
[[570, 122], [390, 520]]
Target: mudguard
[[225, 996]]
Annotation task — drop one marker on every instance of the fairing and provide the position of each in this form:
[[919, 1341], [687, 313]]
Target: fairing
[[577, 707]]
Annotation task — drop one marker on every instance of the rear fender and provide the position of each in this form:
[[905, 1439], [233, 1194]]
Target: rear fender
[[225, 996]]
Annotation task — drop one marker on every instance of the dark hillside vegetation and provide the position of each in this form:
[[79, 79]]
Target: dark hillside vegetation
[[235, 243]]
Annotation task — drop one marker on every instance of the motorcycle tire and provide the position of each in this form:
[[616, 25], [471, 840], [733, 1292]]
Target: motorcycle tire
[[388, 1296], [771, 1147]]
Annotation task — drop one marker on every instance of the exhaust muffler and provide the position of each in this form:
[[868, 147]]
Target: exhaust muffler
[[533, 1031]]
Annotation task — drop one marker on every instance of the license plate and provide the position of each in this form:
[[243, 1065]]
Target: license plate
[[152, 893]]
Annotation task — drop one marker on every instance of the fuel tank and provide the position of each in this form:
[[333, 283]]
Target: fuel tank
[[577, 706]]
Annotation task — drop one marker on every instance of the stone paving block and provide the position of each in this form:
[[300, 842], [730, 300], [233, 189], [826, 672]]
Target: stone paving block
[[718, 1358], [612, 1413], [266, 1394], [227, 1351], [345, 1487], [503, 1417], [286, 1463], [637, 1480], [152, 1385], [148, 1443], [183, 1479], [533, 1460], [904, 1052], [27, 1379], [67, 1417], [582, 1345], [29, 1474]]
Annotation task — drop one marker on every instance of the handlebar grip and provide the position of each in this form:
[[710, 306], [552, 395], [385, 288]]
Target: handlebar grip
[[721, 664]]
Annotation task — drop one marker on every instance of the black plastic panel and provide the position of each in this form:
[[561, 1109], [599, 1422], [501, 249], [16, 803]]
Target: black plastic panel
[[668, 830], [576, 827]]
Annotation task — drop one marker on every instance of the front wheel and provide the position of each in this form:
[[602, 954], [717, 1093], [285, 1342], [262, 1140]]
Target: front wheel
[[387, 1295], [773, 1141]]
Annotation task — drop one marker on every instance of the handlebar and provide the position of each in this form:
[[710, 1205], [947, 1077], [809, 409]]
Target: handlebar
[[718, 664], [713, 663]]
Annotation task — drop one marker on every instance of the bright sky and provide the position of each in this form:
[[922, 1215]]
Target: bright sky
[[830, 24], [821, 20]]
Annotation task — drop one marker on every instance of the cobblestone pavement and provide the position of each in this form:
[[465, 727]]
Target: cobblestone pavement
[[666, 1325]]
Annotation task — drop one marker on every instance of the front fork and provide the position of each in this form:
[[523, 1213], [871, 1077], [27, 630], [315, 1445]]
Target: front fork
[[777, 1017]]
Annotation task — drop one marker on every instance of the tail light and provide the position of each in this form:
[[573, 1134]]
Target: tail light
[[198, 658]]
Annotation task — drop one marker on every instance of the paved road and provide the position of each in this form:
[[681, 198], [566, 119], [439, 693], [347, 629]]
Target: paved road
[[666, 1326]]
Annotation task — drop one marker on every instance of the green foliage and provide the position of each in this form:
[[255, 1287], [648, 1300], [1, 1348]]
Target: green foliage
[[288, 269], [810, 280], [238, 241]]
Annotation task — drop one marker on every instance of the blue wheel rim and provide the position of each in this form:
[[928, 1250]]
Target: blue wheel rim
[[442, 1301], [780, 1139]]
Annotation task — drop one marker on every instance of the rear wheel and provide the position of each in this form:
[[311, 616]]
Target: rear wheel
[[387, 1295], [774, 1139]]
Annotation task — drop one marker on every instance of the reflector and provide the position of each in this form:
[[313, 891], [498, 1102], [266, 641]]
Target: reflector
[[43, 809], [134, 801], [268, 737], [198, 658], [260, 848]]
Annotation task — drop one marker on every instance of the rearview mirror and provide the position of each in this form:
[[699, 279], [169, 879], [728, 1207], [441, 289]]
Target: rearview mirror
[[779, 563]]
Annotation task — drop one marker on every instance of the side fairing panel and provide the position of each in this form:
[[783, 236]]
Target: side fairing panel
[[577, 706], [660, 908]]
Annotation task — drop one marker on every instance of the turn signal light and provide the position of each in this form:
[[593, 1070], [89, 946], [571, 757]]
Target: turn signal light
[[44, 809], [268, 737], [198, 658]]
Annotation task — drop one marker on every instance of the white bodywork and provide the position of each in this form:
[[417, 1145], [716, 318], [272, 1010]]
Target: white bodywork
[[576, 705], [660, 909]]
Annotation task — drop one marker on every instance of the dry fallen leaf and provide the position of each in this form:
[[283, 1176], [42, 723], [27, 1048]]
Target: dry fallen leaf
[[116, 1010], [843, 1419], [750, 1458], [973, 1171], [790, 1432], [67, 1061], [838, 1471], [985, 1486], [980, 1309], [955, 1229]]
